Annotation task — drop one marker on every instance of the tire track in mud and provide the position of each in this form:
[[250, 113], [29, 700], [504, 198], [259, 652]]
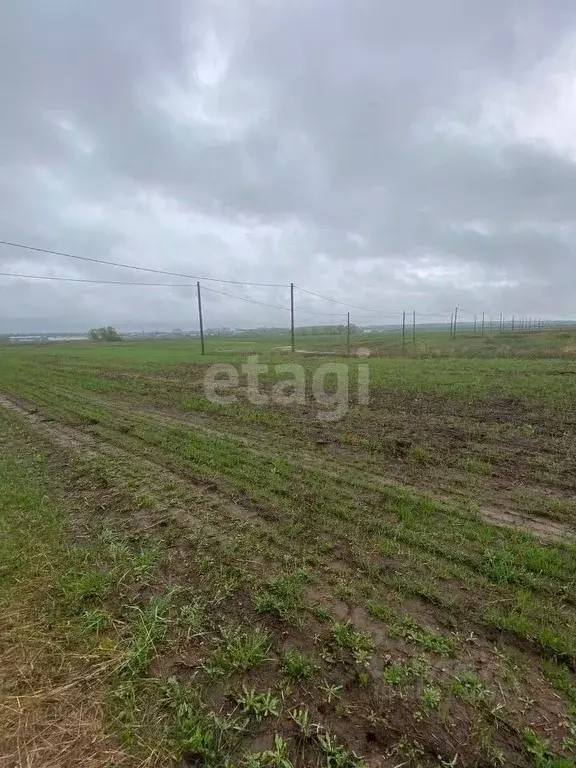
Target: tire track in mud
[[78, 442], [542, 527], [82, 444]]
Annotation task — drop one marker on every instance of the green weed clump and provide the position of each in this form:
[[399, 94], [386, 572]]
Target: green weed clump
[[296, 666], [283, 596], [239, 651]]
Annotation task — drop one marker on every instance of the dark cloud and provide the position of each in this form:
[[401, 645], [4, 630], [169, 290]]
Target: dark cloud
[[391, 154]]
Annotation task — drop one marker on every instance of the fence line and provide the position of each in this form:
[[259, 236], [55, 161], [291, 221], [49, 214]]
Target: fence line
[[455, 319]]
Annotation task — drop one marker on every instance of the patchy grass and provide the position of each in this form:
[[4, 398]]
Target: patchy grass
[[359, 643], [239, 651], [296, 666], [420, 453], [469, 687], [248, 586], [409, 629], [150, 629], [53, 665], [403, 672], [562, 678], [477, 466], [431, 698], [258, 704], [283, 596]]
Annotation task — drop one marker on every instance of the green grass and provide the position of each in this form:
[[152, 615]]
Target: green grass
[[399, 673], [420, 453], [258, 704], [150, 629], [477, 466], [562, 679], [358, 642], [431, 698], [469, 687], [409, 629], [282, 596], [216, 562], [541, 755], [239, 651], [296, 666], [193, 618], [50, 610]]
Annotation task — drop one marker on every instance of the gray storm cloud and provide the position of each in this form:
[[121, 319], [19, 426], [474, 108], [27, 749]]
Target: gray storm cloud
[[392, 155]]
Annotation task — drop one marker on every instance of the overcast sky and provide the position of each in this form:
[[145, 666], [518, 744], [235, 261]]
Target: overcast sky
[[395, 155]]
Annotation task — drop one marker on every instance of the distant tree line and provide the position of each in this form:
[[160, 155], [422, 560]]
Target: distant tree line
[[106, 333]]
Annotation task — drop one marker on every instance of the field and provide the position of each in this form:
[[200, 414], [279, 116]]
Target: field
[[189, 583]]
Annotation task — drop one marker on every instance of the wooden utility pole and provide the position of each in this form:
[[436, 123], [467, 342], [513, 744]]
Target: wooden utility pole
[[455, 321], [348, 335], [200, 318], [403, 329], [292, 339], [483, 322], [414, 327]]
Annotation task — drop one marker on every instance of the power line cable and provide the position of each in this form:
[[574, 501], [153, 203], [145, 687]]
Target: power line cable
[[90, 281], [345, 304], [160, 285], [244, 298], [96, 282], [265, 304], [134, 266], [151, 270], [364, 309]]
